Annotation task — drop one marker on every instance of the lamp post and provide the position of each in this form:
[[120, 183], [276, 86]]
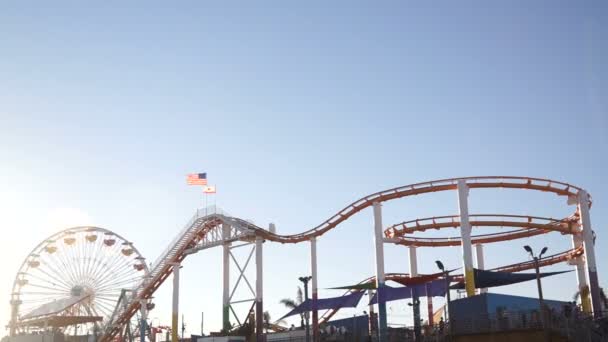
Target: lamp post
[[446, 275], [541, 301], [416, 307], [305, 280]]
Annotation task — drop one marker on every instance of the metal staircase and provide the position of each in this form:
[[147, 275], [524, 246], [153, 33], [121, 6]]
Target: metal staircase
[[160, 269]]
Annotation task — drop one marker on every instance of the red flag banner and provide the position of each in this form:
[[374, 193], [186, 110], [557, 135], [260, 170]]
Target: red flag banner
[[210, 189]]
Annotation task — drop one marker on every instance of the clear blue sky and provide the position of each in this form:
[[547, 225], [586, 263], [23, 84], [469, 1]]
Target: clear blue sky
[[294, 110]]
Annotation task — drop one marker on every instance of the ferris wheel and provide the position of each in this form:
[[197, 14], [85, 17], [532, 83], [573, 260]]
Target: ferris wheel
[[74, 278]]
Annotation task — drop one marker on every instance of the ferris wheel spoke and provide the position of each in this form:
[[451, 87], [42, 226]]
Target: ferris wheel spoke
[[67, 263], [52, 281], [34, 293], [110, 252], [90, 254], [107, 269], [56, 267], [111, 279], [52, 289], [66, 267], [118, 273], [60, 283], [79, 256], [120, 283], [88, 250], [115, 271], [97, 255], [121, 278]]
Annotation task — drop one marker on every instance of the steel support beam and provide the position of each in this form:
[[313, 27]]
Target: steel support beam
[[226, 278], [589, 243], [175, 312], [581, 276], [380, 276], [480, 262], [259, 290], [465, 233], [316, 337]]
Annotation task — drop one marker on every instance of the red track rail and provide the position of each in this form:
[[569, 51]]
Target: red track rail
[[527, 226], [538, 184]]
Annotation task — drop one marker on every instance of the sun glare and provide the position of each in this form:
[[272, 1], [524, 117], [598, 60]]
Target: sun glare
[[62, 218]]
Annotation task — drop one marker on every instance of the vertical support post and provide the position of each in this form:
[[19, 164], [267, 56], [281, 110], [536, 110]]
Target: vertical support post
[[581, 277], [465, 233], [259, 290], [226, 279], [373, 322], [379, 245], [429, 304], [415, 294], [142, 322], [14, 312], [589, 243], [480, 262], [175, 313], [313, 271]]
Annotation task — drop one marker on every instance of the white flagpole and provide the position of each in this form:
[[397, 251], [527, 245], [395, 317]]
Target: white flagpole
[[205, 203]]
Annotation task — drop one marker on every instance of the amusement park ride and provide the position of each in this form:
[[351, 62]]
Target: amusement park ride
[[92, 277]]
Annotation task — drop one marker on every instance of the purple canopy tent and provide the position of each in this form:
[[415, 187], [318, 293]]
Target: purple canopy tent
[[435, 288]]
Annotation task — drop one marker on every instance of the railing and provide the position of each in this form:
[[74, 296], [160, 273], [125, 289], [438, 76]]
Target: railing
[[161, 263]]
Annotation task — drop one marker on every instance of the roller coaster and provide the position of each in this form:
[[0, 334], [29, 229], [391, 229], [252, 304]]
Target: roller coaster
[[215, 228]]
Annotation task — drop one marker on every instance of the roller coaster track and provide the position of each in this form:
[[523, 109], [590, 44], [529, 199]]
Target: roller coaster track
[[527, 226], [201, 223]]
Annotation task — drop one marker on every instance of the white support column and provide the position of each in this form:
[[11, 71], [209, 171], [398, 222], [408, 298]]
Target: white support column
[[480, 262], [380, 276], [465, 233], [415, 294], [226, 279], [314, 285], [589, 243], [259, 289], [15, 302], [175, 312], [413, 261], [581, 277]]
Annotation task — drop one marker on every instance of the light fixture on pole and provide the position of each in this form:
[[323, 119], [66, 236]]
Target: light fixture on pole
[[541, 302], [446, 275], [305, 280]]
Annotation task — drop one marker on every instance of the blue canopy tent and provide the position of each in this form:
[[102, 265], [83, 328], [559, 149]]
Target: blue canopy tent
[[485, 278], [435, 288], [347, 301]]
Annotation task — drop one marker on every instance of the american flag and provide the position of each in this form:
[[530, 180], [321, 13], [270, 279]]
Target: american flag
[[197, 179]]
